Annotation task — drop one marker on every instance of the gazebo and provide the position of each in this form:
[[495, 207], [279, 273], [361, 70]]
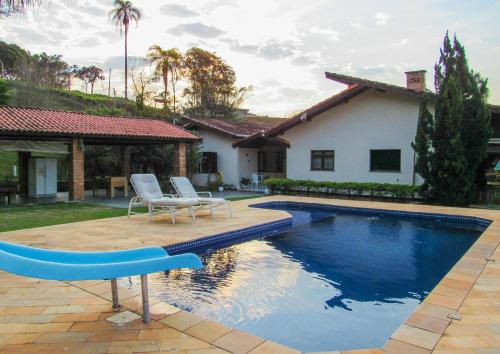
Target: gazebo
[[28, 130]]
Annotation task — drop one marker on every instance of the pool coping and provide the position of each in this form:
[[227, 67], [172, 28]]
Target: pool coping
[[425, 327]]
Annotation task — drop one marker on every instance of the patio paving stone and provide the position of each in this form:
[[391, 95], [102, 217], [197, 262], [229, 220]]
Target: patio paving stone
[[38, 316]]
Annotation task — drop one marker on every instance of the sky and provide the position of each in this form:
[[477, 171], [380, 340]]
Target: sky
[[279, 48]]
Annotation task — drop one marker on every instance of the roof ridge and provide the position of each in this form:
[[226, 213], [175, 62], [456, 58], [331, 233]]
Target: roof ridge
[[84, 113]]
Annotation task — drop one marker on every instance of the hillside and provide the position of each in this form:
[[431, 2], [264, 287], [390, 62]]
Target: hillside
[[35, 96]]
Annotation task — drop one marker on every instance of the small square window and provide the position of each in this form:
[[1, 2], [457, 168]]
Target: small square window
[[385, 160], [208, 163], [322, 160]]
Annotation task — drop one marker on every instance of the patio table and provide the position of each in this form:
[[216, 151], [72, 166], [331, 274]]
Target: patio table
[[8, 188]]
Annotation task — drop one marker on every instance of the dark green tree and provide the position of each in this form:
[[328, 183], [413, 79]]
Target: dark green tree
[[423, 144], [4, 93], [476, 124], [451, 145]]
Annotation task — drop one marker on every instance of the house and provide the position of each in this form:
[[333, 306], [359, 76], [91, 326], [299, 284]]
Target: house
[[362, 134], [220, 154]]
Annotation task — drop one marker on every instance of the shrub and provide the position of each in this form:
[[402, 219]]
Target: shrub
[[367, 189]]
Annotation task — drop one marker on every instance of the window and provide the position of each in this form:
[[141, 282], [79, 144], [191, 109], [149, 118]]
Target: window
[[208, 163], [322, 160], [271, 161], [385, 160]]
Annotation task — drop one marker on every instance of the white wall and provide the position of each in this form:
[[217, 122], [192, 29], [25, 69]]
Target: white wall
[[372, 120], [249, 162], [227, 157]]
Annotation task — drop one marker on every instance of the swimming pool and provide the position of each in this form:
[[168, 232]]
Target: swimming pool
[[335, 280]]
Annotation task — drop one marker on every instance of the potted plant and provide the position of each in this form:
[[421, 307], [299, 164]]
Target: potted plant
[[245, 182]]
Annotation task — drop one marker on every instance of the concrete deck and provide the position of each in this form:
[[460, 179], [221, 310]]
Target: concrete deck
[[57, 317]]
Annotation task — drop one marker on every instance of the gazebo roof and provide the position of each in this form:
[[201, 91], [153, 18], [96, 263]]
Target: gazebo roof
[[46, 122]]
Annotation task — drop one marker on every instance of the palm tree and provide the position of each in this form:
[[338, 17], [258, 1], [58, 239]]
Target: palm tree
[[121, 16], [167, 62]]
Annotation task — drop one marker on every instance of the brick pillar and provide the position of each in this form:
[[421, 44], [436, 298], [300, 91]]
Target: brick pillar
[[180, 168], [76, 176], [126, 161]]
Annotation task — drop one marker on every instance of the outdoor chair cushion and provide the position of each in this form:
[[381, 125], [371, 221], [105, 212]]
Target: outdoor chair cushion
[[178, 202], [210, 200], [146, 186]]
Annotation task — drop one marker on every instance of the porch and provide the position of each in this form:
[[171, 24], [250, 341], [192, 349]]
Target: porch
[[261, 157], [52, 155]]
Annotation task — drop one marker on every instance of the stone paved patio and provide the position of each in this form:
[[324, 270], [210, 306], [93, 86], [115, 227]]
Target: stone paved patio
[[58, 317]]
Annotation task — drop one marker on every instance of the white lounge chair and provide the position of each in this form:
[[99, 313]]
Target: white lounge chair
[[149, 194], [185, 189]]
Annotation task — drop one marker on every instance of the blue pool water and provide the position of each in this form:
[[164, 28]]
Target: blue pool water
[[334, 281]]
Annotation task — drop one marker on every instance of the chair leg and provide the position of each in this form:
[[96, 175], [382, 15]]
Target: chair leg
[[150, 212], [230, 209], [191, 210], [145, 299], [212, 212], [172, 212], [114, 293], [130, 206]]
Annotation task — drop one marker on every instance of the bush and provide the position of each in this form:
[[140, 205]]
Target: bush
[[362, 189]]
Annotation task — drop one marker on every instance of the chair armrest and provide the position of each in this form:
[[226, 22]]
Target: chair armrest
[[169, 195], [208, 193]]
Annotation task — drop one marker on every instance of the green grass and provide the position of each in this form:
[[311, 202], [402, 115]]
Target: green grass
[[26, 217]]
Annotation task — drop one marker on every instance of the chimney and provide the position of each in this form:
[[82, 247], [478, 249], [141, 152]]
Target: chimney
[[415, 80]]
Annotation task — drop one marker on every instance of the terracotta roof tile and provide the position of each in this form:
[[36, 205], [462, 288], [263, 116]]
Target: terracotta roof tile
[[236, 127], [52, 122]]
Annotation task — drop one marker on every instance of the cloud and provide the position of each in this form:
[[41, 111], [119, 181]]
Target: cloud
[[275, 50], [303, 60], [356, 23], [88, 42], [297, 93], [93, 10], [270, 82], [178, 10], [330, 33], [235, 46], [118, 62], [400, 43], [381, 18], [196, 29]]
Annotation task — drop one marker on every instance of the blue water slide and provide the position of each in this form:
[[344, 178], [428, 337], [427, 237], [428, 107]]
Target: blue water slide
[[69, 266]]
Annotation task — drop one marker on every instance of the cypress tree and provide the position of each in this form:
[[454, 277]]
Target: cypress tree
[[476, 126], [423, 145], [451, 145]]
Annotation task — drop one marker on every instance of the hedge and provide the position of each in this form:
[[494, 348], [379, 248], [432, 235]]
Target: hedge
[[361, 189]]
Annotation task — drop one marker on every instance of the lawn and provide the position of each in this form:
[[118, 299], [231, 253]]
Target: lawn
[[25, 217]]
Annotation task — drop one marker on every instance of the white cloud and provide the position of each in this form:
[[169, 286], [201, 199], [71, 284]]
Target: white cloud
[[400, 43], [381, 18], [196, 29], [178, 10], [330, 33]]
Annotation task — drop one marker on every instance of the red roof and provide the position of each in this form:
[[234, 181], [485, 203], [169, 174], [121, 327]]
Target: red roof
[[235, 127], [35, 121]]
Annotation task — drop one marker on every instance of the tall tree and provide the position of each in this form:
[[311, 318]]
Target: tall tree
[[121, 15], [476, 126], [90, 75], [451, 145], [159, 57], [4, 93], [168, 63], [212, 84]]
